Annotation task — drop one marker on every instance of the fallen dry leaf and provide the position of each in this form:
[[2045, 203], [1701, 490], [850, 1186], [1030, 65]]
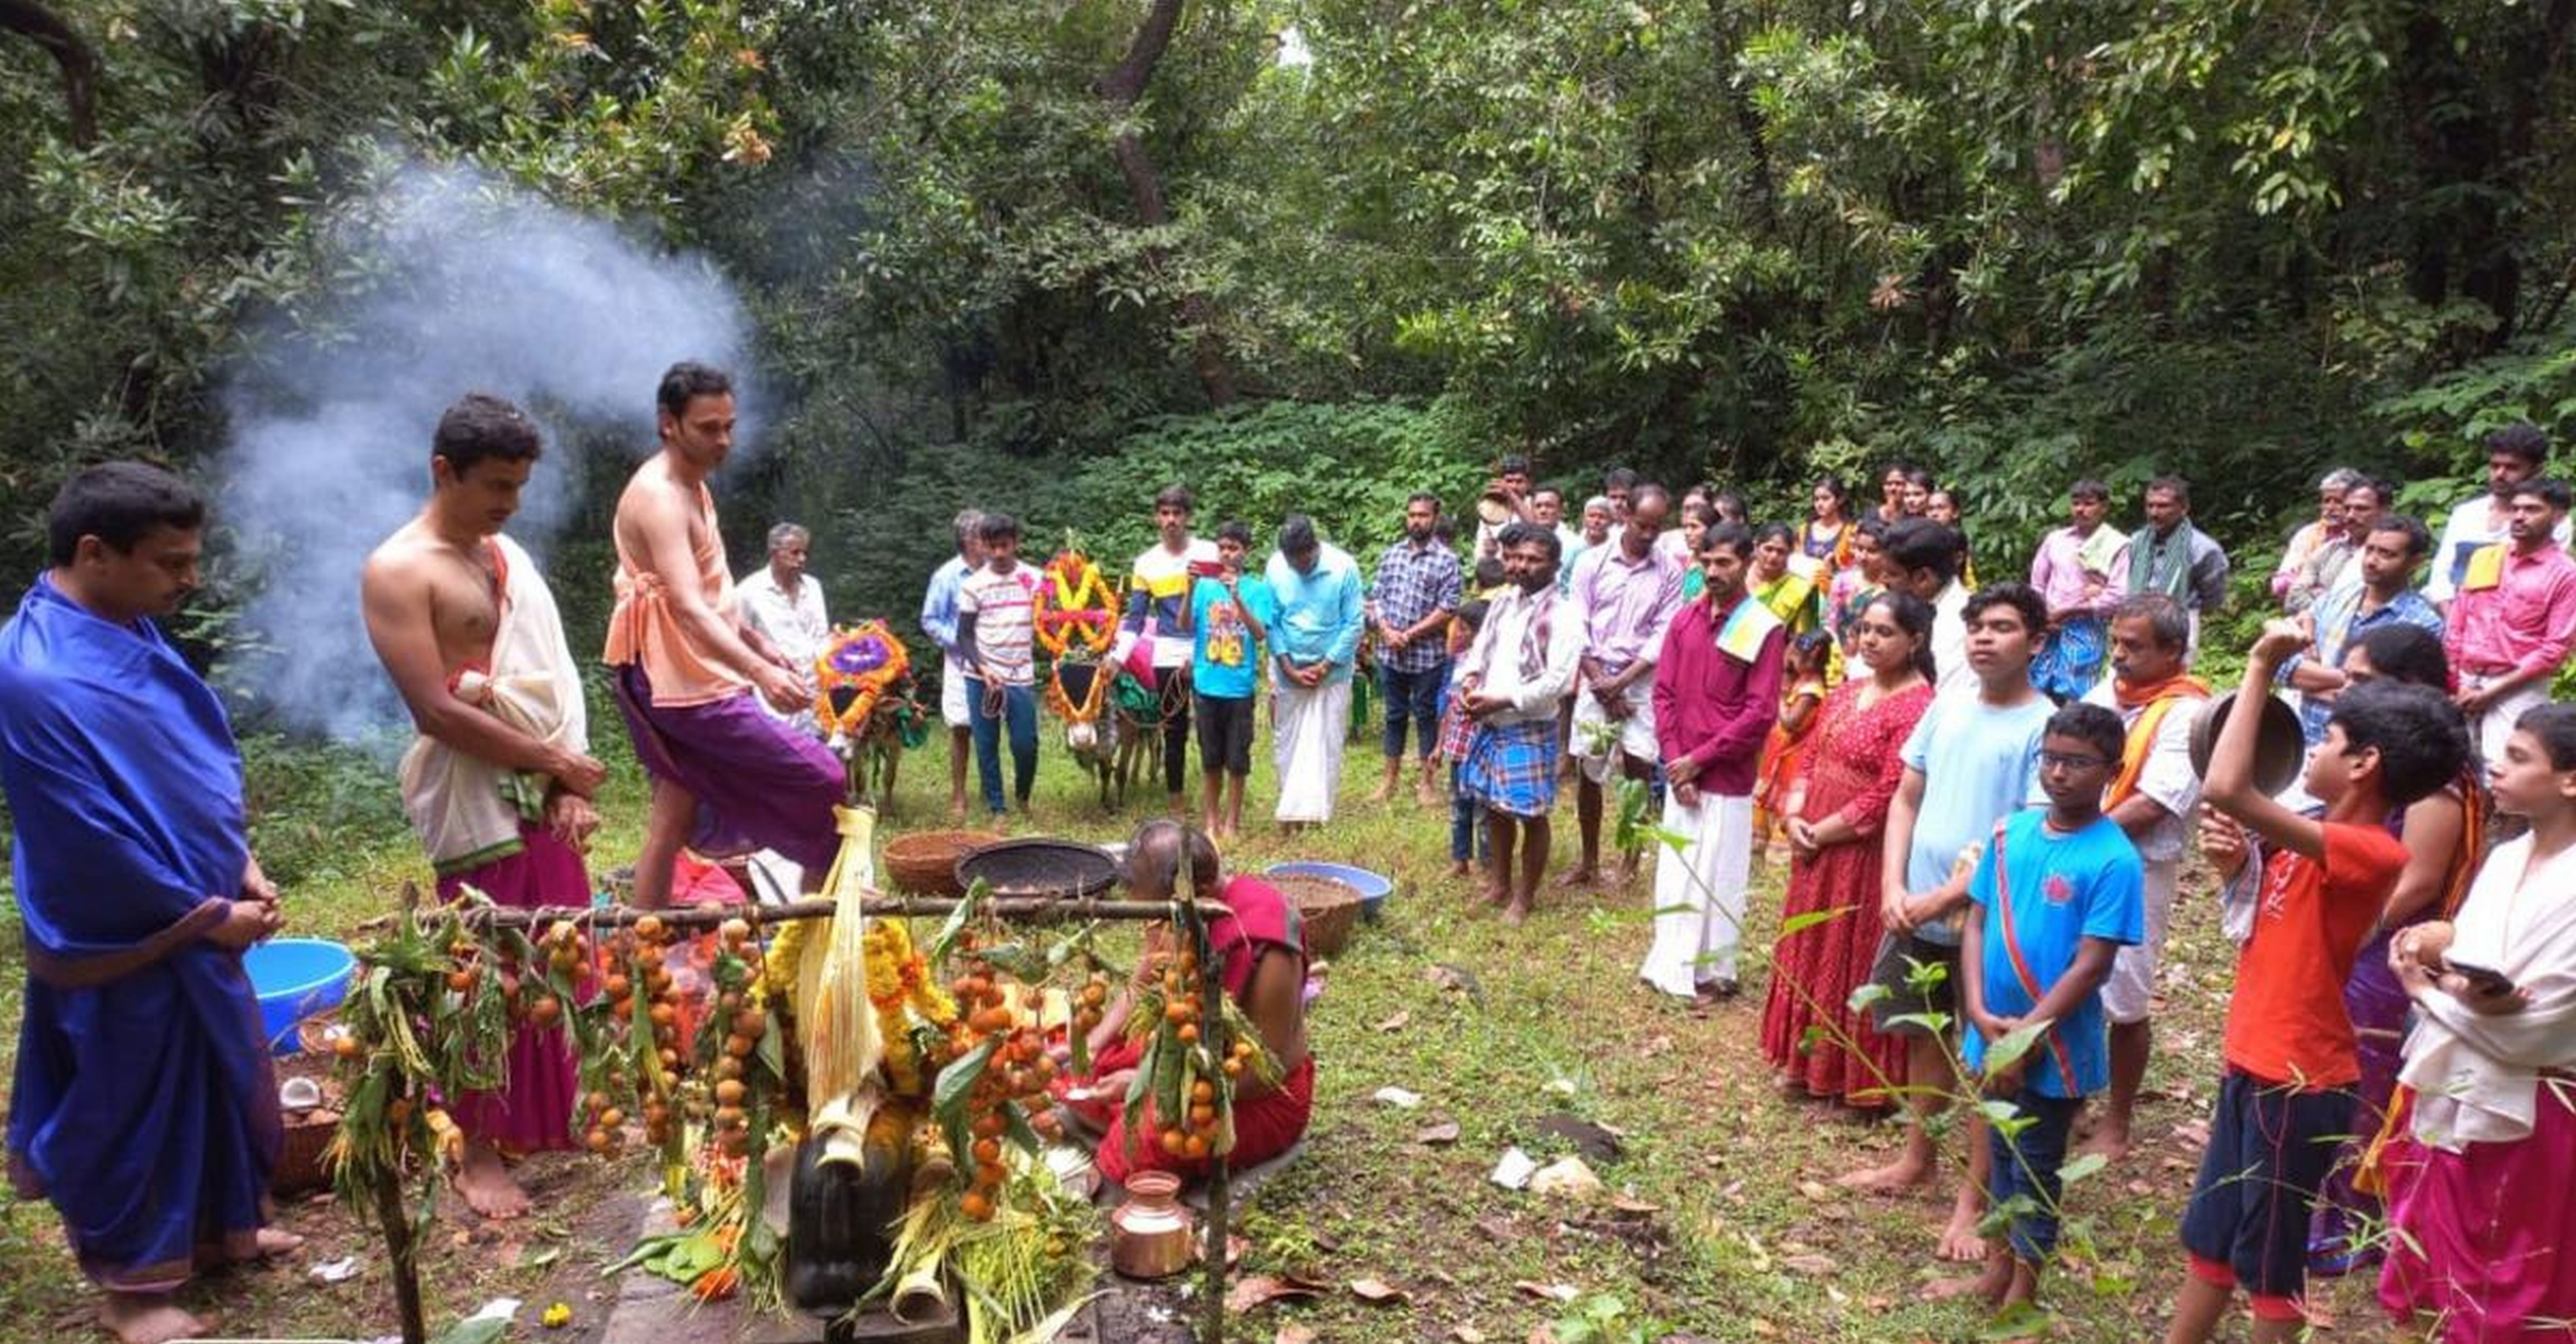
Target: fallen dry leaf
[[1258, 1290], [1395, 1023], [1635, 1207], [1548, 1292], [1816, 1190], [1542, 1334], [1377, 1292], [1432, 1136], [1400, 1098], [1467, 1334], [1291, 1332], [1818, 1265]]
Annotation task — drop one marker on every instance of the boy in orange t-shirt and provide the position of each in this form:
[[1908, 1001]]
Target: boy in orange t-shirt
[[2291, 1070]]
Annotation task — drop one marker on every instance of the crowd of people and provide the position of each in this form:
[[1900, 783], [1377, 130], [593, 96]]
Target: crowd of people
[[1982, 797]]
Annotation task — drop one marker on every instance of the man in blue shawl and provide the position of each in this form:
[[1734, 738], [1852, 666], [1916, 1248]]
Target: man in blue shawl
[[144, 1106]]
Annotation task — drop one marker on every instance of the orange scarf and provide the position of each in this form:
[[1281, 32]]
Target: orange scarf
[[2157, 698]]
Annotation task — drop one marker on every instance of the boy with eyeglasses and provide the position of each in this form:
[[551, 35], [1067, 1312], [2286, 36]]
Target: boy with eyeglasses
[[2054, 899]]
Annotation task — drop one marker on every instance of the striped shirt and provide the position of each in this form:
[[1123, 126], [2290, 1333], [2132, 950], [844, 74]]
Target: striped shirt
[[1005, 624]]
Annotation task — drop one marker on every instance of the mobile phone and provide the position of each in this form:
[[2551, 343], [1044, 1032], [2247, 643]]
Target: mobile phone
[[2485, 980]]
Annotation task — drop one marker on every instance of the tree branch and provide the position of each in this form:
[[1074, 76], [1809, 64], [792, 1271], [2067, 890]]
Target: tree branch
[[1120, 89], [79, 64]]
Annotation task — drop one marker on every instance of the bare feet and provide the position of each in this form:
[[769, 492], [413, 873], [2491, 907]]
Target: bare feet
[[1989, 1284], [272, 1241], [148, 1318], [1627, 871], [486, 1184], [1462, 868], [1495, 894], [1516, 913], [1384, 792], [1903, 1173], [956, 809], [1579, 877], [1960, 1244], [2112, 1143], [1427, 797]]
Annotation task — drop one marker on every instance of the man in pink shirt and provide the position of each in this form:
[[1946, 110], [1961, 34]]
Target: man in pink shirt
[[2514, 618], [2081, 572]]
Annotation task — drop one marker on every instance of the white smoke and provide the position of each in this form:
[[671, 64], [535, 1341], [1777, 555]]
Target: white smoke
[[444, 281]]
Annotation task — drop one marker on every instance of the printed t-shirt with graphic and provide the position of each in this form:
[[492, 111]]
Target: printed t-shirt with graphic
[[2286, 1021], [1005, 624], [1222, 665], [2055, 891], [1980, 764]]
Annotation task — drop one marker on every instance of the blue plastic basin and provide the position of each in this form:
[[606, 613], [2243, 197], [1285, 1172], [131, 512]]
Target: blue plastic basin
[[1373, 888], [296, 978]]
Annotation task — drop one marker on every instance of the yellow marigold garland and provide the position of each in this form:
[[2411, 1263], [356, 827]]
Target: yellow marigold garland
[[1075, 605]]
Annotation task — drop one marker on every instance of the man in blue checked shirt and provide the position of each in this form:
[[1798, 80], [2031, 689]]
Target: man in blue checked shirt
[[1410, 601]]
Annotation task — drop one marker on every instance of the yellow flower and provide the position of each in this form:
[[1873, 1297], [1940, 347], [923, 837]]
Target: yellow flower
[[557, 1316]]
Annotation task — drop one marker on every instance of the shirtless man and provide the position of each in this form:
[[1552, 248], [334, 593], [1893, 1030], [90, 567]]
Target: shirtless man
[[499, 782], [727, 779]]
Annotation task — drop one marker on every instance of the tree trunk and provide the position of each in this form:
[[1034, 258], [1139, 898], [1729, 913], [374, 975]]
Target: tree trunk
[[1120, 88], [79, 64], [1747, 118]]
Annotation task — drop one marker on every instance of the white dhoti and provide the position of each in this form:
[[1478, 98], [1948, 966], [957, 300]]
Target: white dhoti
[[1699, 894], [1597, 741], [953, 709], [1306, 746], [2493, 728], [2130, 991]]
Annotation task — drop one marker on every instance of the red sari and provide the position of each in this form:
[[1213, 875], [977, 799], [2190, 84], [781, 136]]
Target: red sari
[[1854, 771], [1262, 923]]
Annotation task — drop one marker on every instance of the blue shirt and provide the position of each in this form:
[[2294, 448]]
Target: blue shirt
[[1412, 582], [1980, 765], [2062, 890], [1319, 613], [2339, 620], [939, 606], [1222, 664]]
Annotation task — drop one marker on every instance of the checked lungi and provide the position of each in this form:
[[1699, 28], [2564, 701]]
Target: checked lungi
[[1511, 767]]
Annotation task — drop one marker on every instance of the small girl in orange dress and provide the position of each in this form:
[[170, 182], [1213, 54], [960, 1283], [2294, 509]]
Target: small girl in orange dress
[[1802, 690]]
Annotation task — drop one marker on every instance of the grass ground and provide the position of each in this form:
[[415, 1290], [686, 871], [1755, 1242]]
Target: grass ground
[[1745, 1240]]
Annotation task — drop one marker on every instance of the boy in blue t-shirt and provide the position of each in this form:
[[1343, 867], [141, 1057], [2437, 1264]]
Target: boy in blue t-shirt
[[1230, 613], [2055, 897]]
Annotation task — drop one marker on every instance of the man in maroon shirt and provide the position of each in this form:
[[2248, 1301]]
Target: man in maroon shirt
[[1717, 690]]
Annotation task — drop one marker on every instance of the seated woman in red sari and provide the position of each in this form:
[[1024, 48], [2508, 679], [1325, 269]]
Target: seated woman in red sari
[[1264, 971]]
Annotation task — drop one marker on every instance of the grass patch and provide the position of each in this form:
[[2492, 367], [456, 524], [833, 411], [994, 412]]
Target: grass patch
[[1740, 1249]]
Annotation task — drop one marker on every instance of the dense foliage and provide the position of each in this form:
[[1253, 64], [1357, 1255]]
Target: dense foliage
[[1314, 252]]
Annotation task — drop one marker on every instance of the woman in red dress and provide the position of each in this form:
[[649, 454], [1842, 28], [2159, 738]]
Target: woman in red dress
[[1813, 1038]]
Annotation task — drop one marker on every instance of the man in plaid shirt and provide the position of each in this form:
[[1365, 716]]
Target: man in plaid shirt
[[1410, 601]]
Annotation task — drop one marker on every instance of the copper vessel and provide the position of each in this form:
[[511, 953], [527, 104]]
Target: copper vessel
[[1150, 1236]]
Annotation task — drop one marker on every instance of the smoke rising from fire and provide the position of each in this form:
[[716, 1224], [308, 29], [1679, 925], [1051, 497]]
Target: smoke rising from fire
[[443, 281]]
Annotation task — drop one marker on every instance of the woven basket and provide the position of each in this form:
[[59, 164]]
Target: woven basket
[[925, 862], [308, 1133], [1328, 909], [299, 1163]]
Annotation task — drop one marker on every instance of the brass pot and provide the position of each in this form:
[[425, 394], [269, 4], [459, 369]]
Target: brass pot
[[1151, 1235], [2280, 749]]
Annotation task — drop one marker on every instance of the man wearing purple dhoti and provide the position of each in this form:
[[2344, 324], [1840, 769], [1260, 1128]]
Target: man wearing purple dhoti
[[144, 1107], [727, 779], [499, 781]]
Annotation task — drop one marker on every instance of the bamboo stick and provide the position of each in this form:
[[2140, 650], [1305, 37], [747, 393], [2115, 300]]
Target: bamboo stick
[[709, 916]]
